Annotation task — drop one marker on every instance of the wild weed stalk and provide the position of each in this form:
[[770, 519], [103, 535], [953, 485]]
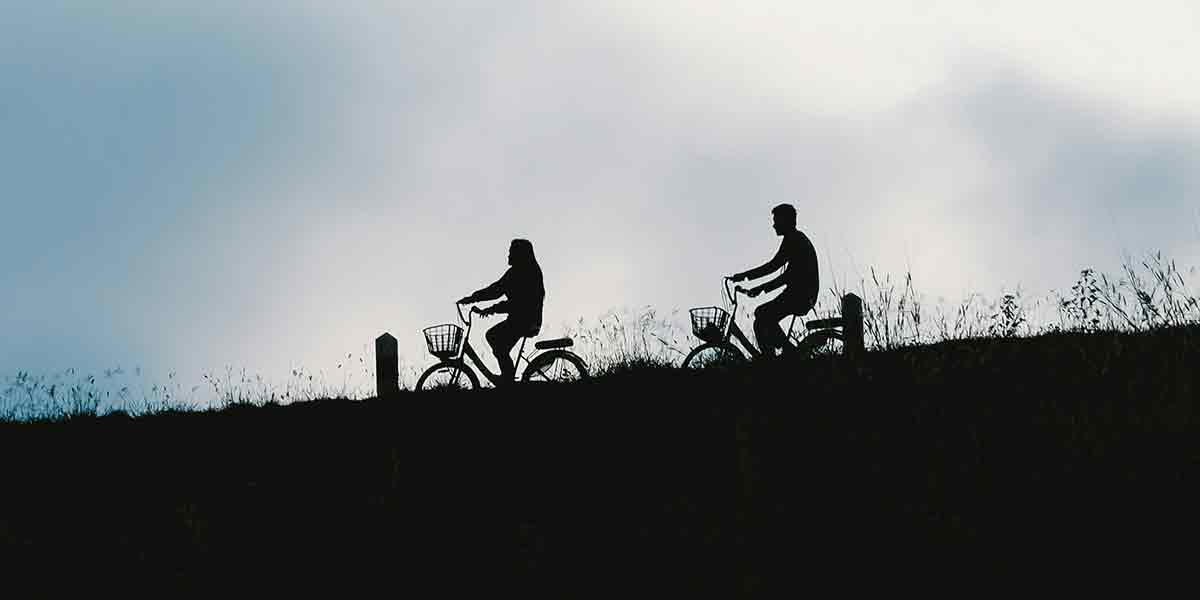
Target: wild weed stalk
[[1151, 293], [629, 339]]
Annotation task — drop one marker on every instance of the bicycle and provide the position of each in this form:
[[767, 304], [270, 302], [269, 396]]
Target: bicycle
[[550, 361], [715, 328]]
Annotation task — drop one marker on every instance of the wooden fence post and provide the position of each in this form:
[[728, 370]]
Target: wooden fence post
[[387, 366], [852, 313]]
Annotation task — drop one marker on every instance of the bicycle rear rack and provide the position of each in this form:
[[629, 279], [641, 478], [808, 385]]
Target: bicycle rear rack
[[825, 323]]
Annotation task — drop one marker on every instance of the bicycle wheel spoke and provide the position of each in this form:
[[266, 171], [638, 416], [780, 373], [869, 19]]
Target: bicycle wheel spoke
[[557, 369], [714, 357], [819, 342], [448, 378]]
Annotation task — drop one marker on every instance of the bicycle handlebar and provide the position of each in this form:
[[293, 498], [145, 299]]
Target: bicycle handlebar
[[731, 294], [467, 319], [470, 313]]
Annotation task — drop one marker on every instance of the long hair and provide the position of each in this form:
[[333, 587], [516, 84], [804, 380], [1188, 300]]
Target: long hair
[[522, 253]]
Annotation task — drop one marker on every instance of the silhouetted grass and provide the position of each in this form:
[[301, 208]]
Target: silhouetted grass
[[1150, 294], [71, 395], [1147, 294], [624, 341]]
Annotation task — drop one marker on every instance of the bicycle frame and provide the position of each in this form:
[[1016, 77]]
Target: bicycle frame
[[468, 352], [732, 328], [731, 294]]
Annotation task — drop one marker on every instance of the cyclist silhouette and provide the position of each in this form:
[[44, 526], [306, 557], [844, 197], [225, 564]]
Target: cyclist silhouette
[[522, 285], [800, 281]]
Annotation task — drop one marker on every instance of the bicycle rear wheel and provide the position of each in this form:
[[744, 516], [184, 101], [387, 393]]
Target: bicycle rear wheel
[[556, 367], [448, 376], [714, 355], [820, 342]]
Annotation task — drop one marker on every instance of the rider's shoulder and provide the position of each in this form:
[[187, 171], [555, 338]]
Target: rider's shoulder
[[799, 242], [796, 235]]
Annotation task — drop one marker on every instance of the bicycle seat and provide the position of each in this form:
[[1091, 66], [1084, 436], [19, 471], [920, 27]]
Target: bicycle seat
[[555, 343]]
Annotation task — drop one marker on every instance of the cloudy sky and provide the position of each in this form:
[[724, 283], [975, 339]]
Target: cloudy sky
[[192, 185]]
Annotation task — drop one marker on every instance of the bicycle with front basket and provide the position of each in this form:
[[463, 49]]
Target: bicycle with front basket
[[714, 327], [550, 361]]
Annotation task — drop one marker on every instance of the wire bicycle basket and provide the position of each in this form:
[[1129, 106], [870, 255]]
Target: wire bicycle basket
[[444, 340], [708, 323]]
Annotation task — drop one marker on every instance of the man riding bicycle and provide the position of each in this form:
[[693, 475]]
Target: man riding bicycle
[[522, 285], [799, 279]]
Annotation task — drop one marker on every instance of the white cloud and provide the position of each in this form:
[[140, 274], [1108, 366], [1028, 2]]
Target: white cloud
[[641, 146]]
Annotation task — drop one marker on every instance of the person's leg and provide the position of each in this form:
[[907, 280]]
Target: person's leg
[[502, 337], [797, 306], [766, 325]]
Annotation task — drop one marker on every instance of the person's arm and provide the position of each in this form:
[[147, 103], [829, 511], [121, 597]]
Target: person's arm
[[499, 307], [490, 292], [513, 279], [772, 265], [773, 284]]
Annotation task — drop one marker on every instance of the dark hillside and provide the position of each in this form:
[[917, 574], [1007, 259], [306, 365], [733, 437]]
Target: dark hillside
[[995, 456]]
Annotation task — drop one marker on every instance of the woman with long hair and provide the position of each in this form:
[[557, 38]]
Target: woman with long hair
[[524, 293]]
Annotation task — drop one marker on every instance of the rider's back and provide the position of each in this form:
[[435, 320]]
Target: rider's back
[[801, 275], [526, 294]]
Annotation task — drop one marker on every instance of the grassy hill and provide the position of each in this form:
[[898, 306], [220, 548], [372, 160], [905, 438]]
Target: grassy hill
[[993, 455]]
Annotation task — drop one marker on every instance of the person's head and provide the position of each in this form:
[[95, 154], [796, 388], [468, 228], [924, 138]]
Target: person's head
[[520, 252], [785, 218]]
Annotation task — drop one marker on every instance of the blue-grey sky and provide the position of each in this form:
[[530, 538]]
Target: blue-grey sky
[[193, 185]]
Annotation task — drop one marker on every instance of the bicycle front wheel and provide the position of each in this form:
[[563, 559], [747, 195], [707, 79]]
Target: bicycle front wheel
[[448, 376], [714, 355], [556, 367]]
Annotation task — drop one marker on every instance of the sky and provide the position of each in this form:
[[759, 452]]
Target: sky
[[193, 187]]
